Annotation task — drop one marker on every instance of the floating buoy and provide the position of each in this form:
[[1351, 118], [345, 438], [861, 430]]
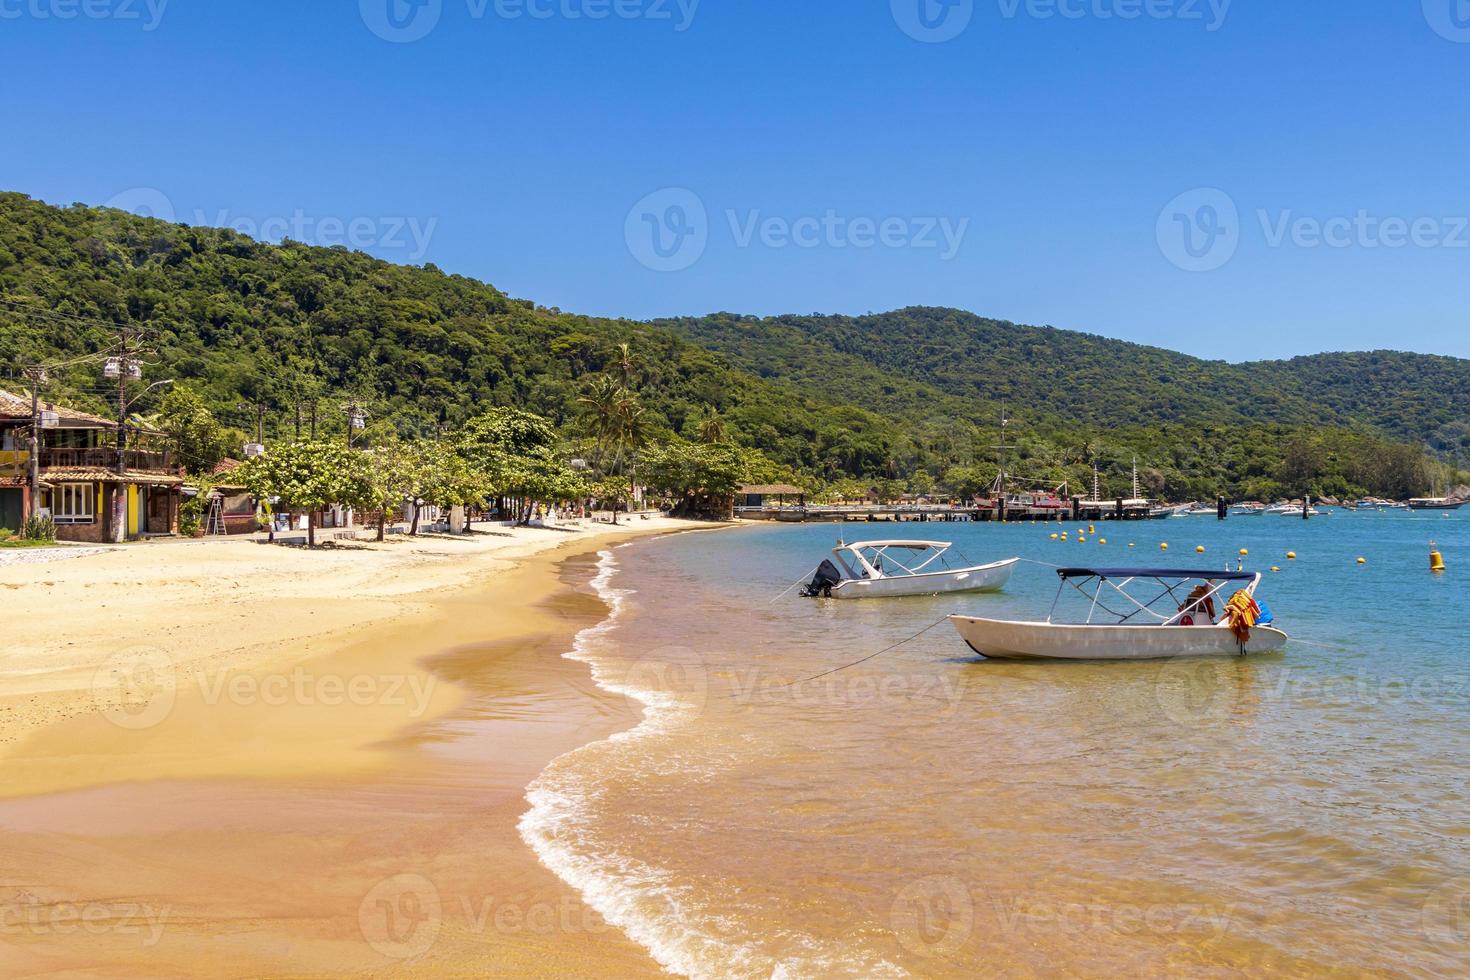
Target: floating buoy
[[1164, 546], [1291, 555], [1362, 561], [1275, 568], [1436, 560], [1200, 549], [1102, 540], [1092, 529], [1053, 537], [1064, 535], [1245, 552], [1132, 545]]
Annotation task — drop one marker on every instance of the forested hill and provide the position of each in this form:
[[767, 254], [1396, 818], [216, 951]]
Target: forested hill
[[1097, 381], [910, 397]]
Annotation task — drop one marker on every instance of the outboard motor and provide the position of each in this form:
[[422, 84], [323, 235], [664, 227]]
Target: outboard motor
[[821, 583]]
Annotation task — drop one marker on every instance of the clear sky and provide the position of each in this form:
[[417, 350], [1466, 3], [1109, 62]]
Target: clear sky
[[1243, 179]]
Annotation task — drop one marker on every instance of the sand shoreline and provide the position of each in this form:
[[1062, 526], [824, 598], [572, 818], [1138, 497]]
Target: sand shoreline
[[340, 811]]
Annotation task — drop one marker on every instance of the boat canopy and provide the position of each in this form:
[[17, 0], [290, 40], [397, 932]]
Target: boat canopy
[[1109, 573], [868, 558]]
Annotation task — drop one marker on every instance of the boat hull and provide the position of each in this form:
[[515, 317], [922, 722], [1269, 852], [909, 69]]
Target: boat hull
[[982, 578], [1003, 640]]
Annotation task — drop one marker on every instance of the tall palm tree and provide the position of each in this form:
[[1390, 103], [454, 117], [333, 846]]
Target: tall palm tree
[[599, 407], [632, 428], [627, 364], [712, 430]]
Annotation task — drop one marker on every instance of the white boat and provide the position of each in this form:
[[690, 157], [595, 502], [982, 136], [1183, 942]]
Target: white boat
[[884, 569], [1247, 510], [1188, 624]]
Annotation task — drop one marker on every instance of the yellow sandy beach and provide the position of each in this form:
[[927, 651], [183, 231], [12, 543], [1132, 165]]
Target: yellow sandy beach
[[228, 759]]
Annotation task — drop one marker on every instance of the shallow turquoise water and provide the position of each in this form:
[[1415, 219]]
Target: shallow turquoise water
[[929, 813]]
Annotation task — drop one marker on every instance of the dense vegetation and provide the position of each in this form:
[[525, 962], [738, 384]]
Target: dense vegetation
[[281, 333]]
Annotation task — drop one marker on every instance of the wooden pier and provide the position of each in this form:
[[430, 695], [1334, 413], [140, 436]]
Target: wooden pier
[[981, 511]]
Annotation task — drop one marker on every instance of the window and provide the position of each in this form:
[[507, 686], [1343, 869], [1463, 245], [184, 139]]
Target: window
[[74, 503]]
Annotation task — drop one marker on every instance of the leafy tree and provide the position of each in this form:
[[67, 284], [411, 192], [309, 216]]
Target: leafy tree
[[446, 479], [702, 479], [198, 440], [310, 476]]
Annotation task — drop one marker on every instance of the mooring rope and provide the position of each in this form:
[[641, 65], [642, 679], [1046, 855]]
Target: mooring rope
[[805, 578], [875, 656]]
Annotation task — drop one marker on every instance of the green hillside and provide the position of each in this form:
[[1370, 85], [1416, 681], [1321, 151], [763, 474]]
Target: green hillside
[[1095, 380], [910, 397]]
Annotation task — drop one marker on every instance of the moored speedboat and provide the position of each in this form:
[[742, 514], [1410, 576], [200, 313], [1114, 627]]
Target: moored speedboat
[[885, 569], [1186, 625]]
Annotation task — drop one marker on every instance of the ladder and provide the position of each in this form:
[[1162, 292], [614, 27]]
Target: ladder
[[214, 524]]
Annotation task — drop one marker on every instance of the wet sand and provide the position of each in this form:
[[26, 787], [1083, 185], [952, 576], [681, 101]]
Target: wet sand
[[275, 823]]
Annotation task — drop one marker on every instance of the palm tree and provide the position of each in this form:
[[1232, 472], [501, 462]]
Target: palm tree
[[599, 407], [712, 430], [632, 433], [627, 364]]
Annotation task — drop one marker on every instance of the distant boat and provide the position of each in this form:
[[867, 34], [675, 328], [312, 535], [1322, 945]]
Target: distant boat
[[886, 569], [1435, 503], [1248, 510], [1187, 628]]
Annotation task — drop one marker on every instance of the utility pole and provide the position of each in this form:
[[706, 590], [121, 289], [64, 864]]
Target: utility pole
[[259, 409], [37, 377], [126, 365], [301, 416], [356, 419], [122, 366]]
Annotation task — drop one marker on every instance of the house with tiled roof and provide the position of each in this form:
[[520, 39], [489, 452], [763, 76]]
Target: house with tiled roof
[[80, 480]]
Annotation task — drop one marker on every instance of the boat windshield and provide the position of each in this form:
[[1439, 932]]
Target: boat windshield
[[1148, 596]]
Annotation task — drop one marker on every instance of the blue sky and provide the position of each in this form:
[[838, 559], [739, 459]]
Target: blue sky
[[1240, 179]]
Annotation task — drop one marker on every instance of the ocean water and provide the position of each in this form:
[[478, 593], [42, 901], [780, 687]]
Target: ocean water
[[928, 813]]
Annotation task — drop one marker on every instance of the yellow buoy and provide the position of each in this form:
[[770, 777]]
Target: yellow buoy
[[1102, 540], [1291, 555], [1132, 545], [1053, 537], [1200, 549], [1275, 568], [1436, 562], [1362, 561], [1092, 529], [1064, 535], [1245, 552], [1164, 546]]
